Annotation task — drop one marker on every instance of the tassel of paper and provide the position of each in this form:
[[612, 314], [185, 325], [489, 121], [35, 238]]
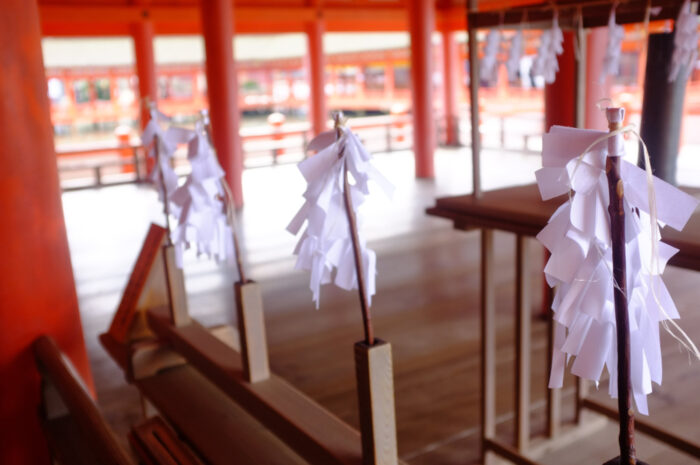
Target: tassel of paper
[[515, 54], [685, 41], [489, 63], [199, 204], [325, 245], [546, 63], [613, 51], [163, 175], [580, 266]]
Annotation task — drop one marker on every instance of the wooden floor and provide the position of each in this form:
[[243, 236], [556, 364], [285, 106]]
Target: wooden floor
[[427, 307]]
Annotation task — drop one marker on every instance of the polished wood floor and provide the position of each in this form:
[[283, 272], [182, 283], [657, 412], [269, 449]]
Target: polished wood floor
[[426, 306]]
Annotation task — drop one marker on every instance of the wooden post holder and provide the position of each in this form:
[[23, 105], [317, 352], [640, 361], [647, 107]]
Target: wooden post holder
[[251, 328], [375, 392], [175, 280]]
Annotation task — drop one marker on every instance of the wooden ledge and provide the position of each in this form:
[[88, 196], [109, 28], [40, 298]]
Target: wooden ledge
[[312, 431]]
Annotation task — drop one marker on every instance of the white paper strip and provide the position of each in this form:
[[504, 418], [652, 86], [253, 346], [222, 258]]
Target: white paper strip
[[613, 51], [546, 63], [325, 246], [685, 41], [580, 266]]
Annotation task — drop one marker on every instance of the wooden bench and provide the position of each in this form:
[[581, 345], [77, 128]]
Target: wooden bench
[[156, 444]]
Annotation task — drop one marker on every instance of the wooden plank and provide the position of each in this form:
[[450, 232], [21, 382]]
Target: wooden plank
[[157, 444], [66, 442], [216, 428], [175, 280], [508, 452], [253, 340], [553, 395], [522, 346], [93, 428], [375, 392], [318, 435], [521, 210], [137, 286], [488, 342]]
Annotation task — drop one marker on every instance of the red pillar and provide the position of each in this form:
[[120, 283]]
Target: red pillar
[[142, 34], [422, 24], [317, 82], [596, 44], [560, 96], [37, 290], [222, 90], [450, 60]]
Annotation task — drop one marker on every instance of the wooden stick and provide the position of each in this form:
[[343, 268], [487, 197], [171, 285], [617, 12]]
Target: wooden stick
[[352, 222], [617, 231], [161, 177], [228, 202]]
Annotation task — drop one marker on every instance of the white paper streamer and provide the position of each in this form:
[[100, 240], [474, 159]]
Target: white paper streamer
[[489, 63], [199, 204], [326, 244], [515, 54], [613, 51], [546, 63], [580, 267], [685, 42]]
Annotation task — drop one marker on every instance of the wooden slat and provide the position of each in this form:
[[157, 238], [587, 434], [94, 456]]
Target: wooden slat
[[488, 341], [522, 346], [216, 428], [645, 427], [319, 436], [507, 452], [81, 407], [553, 395]]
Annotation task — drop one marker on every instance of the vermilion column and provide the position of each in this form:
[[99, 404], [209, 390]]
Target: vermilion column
[[596, 44], [450, 60], [222, 90], [422, 24], [37, 290], [317, 81], [560, 96], [142, 34]]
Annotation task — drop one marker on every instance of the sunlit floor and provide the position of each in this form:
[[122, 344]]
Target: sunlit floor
[[427, 301]]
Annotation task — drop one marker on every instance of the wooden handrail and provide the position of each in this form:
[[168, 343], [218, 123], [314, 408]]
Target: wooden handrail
[[55, 369], [312, 431]]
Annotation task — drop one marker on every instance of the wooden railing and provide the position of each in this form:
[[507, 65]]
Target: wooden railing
[[67, 402]]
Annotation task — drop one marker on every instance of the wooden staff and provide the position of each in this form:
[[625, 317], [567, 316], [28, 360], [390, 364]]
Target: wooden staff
[[352, 222], [228, 203], [617, 232], [161, 177]]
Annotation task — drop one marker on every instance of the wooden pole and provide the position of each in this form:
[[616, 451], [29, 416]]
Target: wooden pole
[[352, 222], [474, 102], [161, 178], [617, 232]]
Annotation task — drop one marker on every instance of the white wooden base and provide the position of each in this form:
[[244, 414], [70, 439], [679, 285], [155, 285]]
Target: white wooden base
[[251, 329], [375, 391]]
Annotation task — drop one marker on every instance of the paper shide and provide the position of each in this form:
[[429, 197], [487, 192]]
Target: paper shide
[[578, 236]]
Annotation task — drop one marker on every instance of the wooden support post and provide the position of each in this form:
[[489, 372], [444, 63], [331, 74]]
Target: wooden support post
[[142, 33], [522, 347], [553, 395], [375, 392], [175, 280], [251, 327], [474, 81], [488, 343], [450, 59]]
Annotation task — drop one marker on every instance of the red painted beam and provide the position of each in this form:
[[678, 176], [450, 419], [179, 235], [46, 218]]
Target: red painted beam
[[37, 290], [222, 90], [450, 59], [142, 33], [317, 79], [560, 96], [422, 21]]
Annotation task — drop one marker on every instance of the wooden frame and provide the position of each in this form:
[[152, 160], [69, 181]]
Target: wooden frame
[[519, 210]]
